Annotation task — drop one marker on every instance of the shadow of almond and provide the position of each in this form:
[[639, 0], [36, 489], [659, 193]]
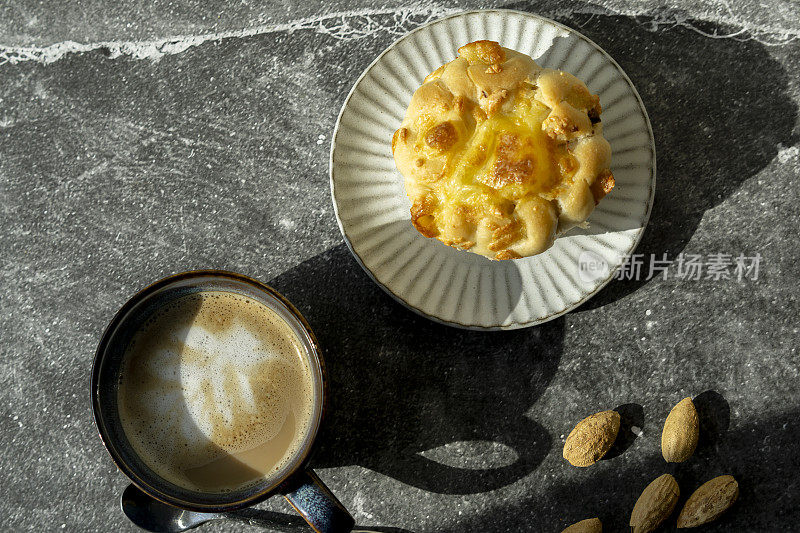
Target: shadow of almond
[[631, 418], [714, 415], [432, 406]]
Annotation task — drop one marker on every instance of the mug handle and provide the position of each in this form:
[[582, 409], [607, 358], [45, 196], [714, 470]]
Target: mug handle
[[309, 496]]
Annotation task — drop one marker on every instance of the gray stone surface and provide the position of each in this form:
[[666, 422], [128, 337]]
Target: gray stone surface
[[116, 172]]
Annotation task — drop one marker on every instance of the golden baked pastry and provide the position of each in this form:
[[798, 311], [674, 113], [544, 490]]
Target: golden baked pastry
[[500, 155]]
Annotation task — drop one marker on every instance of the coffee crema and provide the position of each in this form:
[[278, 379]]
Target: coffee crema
[[216, 392]]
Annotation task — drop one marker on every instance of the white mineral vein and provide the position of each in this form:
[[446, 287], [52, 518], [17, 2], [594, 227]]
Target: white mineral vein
[[358, 24]]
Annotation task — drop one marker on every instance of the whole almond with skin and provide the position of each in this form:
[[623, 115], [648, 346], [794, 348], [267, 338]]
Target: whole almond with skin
[[590, 525], [592, 438], [655, 504], [681, 431], [707, 503]]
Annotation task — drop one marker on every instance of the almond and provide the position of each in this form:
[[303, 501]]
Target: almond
[[681, 431], [708, 502], [655, 504], [592, 438], [590, 525]]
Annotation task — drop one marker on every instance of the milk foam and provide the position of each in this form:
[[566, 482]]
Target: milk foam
[[215, 377]]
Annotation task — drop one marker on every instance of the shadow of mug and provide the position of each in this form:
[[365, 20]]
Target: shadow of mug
[[410, 397]]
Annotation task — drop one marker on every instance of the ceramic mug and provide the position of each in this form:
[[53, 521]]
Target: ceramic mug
[[295, 481]]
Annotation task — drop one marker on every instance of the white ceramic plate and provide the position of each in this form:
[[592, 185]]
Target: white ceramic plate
[[461, 288]]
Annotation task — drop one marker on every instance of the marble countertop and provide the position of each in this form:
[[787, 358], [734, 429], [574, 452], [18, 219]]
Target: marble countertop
[[136, 142]]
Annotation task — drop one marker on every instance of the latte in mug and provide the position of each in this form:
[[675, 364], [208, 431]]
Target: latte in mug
[[216, 392]]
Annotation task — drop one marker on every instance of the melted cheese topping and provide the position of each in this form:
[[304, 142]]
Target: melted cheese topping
[[505, 159]]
